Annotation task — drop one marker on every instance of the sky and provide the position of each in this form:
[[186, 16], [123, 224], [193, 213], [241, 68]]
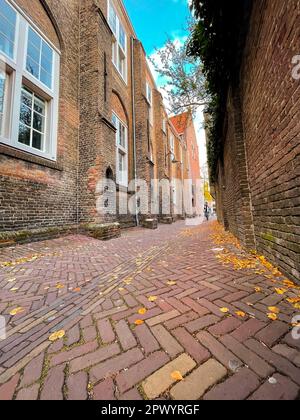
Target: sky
[[154, 22]]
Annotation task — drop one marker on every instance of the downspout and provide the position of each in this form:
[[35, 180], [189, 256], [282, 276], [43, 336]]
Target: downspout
[[134, 131]]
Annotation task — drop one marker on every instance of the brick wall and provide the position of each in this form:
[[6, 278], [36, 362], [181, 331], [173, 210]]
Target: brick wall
[[34, 192], [258, 182]]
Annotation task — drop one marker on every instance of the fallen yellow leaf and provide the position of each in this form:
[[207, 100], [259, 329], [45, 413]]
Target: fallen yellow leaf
[[171, 283], [139, 322], [297, 306], [17, 311], [14, 289], [57, 335], [274, 310], [152, 298], [11, 280], [257, 289], [224, 310], [60, 286], [293, 300], [177, 376], [241, 314], [273, 317], [280, 291], [142, 311], [78, 289], [121, 289]]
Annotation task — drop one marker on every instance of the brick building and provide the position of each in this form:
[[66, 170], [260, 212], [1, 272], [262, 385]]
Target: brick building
[[185, 128], [78, 105], [258, 182]]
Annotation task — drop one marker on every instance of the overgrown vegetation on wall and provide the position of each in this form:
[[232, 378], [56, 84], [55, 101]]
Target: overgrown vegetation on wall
[[217, 40]]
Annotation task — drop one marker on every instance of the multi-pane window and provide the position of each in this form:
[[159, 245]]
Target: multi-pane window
[[119, 47], [29, 82], [32, 120], [164, 126], [122, 151], [39, 61], [149, 100], [172, 145], [8, 21]]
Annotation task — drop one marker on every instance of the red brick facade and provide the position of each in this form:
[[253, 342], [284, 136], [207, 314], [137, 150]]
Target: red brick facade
[[42, 194], [258, 178]]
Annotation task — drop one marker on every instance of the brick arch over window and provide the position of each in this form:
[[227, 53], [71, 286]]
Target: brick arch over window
[[39, 12], [119, 108]]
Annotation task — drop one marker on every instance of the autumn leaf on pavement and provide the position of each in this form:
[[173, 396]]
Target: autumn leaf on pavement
[[152, 298], [274, 310], [57, 335], [78, 289], [60, 286], [297, 306], [280, 291], [142, 311], [241, 314], [171, 283], [11, 280], [139, 322], [257, 289], [224, 310], [273, 317], [177, 376], [16, 311]]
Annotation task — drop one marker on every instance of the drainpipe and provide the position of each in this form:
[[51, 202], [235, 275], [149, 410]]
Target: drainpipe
[[134, 131]]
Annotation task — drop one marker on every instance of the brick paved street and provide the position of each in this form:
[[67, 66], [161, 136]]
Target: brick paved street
[[140, 311]]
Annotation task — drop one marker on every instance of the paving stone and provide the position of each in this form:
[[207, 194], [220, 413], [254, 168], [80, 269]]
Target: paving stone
[[88, 360], [290, 341], [200, 310], [224, 327], [191, 346], [28, 394], [106, 331], [272, 333], [77, 386], [259, 366], [236, 388], [161, 380], [115, 365], [7, 390], [288, 352], [53, 386], [67, 356], [248, 329], [132, 395], [125, 335], [162, 318], [146, 339], [73, 336], [89, 334], [127, 379], [281, 364], [105, 391], [284, 389], [201, 323], [220, 352], [183, 319], [198, 382], [33, 371], [167, 341]]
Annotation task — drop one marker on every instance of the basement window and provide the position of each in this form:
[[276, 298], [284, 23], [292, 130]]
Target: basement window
[[29, 85]]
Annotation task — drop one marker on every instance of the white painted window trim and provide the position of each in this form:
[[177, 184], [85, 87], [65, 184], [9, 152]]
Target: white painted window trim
[[121, 179], [19, 75], [117, 42]]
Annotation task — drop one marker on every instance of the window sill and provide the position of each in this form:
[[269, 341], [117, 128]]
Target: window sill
[[120, 75], [20, 154]]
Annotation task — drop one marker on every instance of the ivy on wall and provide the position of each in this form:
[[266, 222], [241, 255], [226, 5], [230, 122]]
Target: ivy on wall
[[217, 39]]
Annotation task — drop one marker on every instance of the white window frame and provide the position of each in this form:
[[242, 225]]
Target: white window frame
[[164, 125], [122, 178], [19, 76], [117, 48], [172, 144], [150, 101]]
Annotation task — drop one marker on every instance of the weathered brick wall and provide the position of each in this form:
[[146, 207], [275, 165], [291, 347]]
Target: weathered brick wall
[[263, 130], [271, 110], [35, 193]]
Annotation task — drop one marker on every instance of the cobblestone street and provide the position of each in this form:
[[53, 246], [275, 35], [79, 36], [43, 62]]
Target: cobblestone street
[[153, 314]]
